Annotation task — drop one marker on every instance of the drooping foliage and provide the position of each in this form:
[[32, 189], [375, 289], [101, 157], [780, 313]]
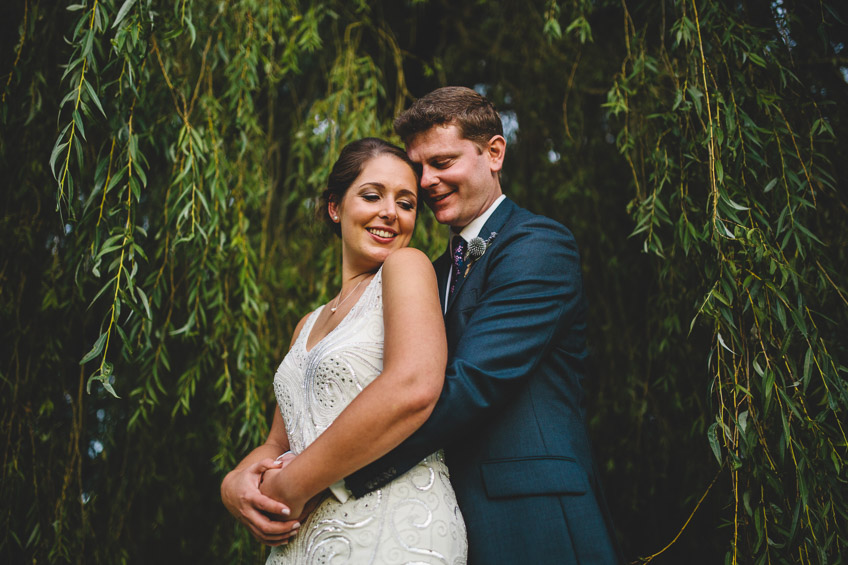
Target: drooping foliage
[[728, 128], [161, 162]]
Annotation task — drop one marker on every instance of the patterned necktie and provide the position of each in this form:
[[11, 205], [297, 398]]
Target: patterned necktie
[[458, 262]]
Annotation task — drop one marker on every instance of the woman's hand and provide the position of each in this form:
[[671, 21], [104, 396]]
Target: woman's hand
[[267, 519]]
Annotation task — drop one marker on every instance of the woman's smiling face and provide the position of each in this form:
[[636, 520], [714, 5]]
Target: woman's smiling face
[[377, 213]]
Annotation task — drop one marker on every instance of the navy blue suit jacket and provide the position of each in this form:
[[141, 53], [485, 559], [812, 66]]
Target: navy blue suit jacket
[[511, 414]]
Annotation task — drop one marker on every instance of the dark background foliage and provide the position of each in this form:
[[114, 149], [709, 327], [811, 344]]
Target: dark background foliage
[[160, 162]]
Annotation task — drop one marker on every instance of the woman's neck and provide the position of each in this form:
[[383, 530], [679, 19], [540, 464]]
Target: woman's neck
[[352, 279], [353, 274], [350, 284]]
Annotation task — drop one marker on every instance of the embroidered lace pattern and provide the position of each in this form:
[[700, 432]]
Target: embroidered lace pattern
[[415, 518]]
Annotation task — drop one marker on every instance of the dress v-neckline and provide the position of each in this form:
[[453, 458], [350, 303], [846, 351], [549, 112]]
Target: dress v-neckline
[[314, 317]]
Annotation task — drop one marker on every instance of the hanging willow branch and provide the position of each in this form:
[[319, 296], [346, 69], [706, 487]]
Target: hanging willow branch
[[161, 162], [161, 174], [779, 392]]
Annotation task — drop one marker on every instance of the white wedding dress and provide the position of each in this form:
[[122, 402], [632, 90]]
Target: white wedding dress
[[415, 518]]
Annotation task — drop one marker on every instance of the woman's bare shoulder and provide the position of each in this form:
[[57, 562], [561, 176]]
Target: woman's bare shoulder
[[408, 274], [406, 262]]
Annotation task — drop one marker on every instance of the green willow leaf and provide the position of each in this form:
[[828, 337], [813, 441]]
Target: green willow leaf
[[712, 437], [58, 149], [79, 124], [122, 12], [93, 96], [96, 350]]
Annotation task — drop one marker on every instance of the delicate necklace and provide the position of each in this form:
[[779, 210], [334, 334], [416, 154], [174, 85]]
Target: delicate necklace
[[339, 303]]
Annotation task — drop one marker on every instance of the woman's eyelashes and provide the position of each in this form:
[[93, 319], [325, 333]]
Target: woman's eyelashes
[[404, 204]]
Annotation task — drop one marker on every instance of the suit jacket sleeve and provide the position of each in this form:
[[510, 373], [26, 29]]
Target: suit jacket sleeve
[[508, 319]]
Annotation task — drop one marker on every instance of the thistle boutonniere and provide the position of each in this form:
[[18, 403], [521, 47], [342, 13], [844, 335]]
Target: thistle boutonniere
[[476, 248]]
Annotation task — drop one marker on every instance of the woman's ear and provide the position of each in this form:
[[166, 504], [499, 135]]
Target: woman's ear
[[333, 209]]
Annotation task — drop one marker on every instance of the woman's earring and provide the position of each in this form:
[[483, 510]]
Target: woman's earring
[[335, 218]]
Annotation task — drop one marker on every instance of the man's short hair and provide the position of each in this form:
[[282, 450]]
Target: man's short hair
[[473, 114]]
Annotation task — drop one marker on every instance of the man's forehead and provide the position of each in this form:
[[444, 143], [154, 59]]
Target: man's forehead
[[438, 140], [448, 129]]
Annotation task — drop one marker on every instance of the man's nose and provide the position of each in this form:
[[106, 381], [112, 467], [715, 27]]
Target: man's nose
[[429, 177]]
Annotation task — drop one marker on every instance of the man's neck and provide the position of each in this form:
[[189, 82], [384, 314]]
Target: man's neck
[[473, 228]]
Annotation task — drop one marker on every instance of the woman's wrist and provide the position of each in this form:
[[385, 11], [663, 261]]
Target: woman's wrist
[[273, 485], [282, 486]]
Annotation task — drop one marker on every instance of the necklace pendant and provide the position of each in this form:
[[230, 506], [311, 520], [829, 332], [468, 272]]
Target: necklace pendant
[[340, 300]]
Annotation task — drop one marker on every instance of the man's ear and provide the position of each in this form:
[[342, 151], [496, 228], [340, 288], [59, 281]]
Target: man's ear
[[496, 151]]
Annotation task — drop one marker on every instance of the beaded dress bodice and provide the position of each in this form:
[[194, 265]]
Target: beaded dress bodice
[[413, 519], [314, 386]]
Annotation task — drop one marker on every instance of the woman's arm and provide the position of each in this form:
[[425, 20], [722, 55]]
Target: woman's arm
[[396, 403], [240, 487], [240, 490], [531, 304]]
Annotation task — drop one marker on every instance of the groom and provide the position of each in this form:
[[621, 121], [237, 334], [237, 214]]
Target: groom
[[511, 414]]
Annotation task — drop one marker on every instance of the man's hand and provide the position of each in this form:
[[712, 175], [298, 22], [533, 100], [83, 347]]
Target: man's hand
[[268, 520]]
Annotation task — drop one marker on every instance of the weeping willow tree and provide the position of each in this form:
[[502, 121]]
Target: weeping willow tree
[[727, 122], [170, 257], [161, 162]]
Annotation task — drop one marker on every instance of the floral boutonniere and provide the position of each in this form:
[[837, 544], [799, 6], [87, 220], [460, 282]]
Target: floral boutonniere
[[476, 248]]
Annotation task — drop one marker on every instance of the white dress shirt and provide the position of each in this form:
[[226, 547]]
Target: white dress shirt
[[468, 233]]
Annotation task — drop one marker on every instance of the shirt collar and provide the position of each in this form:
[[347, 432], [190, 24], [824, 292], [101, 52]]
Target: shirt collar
[[473, 228]]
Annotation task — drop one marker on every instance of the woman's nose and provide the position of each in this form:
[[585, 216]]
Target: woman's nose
[[388, 211]]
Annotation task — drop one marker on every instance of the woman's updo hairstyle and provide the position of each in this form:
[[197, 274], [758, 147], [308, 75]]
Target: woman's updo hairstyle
[[349, 165]]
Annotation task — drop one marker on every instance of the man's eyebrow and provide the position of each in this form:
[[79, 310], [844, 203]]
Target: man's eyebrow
[[445, 155]]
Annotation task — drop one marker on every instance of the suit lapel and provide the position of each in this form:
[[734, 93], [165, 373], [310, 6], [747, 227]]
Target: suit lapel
[[494, 224]]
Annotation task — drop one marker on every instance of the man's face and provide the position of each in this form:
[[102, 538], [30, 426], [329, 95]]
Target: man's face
[[459, 178]]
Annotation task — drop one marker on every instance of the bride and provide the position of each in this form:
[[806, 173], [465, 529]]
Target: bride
[[364, 371]]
